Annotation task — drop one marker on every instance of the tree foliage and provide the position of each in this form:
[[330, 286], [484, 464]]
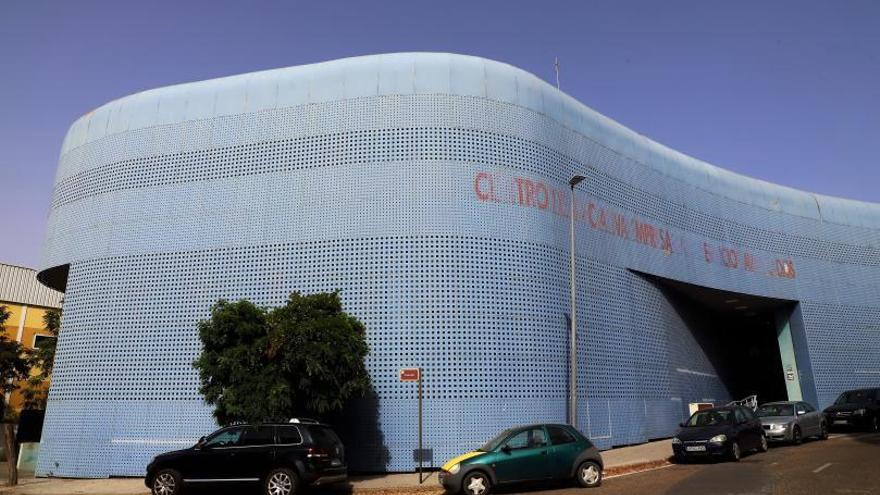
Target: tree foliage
[[305, 358], [15, 362], [44, 356]]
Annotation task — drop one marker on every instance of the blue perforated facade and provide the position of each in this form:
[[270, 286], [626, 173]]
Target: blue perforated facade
[[431, 189]]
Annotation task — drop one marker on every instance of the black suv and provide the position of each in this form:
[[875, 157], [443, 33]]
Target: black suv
[[855, 408], [281, 457]]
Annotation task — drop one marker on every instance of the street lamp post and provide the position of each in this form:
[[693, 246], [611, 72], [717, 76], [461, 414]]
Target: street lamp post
[[572, 339]]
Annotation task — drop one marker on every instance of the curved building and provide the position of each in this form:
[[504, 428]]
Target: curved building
[[432, 191]]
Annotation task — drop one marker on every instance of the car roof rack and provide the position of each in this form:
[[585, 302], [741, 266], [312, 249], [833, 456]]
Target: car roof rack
[[303, 420]]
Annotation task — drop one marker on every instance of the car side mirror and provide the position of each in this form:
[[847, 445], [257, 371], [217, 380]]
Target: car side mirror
[[682, 424], [506, 449], [201, 443]]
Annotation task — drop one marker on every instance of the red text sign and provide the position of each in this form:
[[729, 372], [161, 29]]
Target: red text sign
[[410, 374]]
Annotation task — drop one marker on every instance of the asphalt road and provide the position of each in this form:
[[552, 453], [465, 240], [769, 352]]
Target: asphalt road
[[844, 464]]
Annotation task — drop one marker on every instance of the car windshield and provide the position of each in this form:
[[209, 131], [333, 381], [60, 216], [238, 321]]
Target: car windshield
[[776, 410], [495, 442], [711, 418], [855, 397]]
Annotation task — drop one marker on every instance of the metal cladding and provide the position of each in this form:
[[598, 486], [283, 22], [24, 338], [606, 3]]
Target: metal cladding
[[432, 191], [19, 285]]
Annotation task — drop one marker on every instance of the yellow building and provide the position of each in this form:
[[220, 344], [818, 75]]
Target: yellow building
[[27, 301]]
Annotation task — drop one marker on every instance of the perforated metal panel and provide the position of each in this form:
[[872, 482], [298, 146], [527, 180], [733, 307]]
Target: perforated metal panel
[[316, 179]]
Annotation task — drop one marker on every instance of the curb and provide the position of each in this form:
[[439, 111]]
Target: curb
[[613, 472], [637, 467]]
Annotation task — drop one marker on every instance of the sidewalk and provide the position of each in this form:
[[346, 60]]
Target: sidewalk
[[617, 461]]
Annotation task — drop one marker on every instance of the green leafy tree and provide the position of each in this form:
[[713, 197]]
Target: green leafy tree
[[36, 390], [305, 358], [44, 356], [15, 363]]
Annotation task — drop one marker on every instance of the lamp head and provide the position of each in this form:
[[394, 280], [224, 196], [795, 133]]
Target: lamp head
[[575, 180]]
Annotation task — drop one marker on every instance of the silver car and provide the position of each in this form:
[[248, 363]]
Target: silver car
[[791, 421]]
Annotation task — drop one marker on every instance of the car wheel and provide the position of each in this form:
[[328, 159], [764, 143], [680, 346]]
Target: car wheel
[[476, 483], [167, 482], [796, 435], [281, 481], [823, 432], [735, 452], [764, 446], [589, 474]]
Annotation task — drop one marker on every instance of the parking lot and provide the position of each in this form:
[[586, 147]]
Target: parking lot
[[848, 463]]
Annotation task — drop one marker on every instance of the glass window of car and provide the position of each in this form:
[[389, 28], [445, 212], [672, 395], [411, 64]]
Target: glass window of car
[[856, 397], [801, 409], [257, 435], [807, 407], [768, 410], [288, 435], [519, 440], [559, 435], [230, 437], [711, 417], [749, 414], [740, 415], [323, 436], [539, 438], [495, 442]]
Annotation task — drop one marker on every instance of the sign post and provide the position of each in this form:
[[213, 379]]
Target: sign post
[[415, 375]]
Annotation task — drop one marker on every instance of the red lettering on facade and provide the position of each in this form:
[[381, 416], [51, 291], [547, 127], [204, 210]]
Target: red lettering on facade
[[543, 198], [729, 258], [486, 192], [707, 252], [665, 241], [646, 233], [531, 193], [749, 262], [620, 227]]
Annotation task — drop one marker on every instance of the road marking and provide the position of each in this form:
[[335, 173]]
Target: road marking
[[822, 467]]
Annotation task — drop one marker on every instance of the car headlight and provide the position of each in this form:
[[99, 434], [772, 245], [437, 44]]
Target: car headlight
[[777, 427], [676, 440], [718, 439], [860, 412], [455, 469]]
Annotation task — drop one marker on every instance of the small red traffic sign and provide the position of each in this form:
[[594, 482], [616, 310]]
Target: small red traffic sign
[[410, 374]]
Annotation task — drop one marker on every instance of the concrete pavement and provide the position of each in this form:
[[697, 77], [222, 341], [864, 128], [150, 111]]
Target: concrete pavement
[[617, 461]]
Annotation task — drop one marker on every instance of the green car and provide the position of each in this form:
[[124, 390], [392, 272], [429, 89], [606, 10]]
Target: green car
[[525, 453]]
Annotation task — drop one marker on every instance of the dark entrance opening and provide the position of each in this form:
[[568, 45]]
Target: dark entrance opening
[[739, 334]]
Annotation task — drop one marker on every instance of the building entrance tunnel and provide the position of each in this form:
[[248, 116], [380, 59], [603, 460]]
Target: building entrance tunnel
[[743, 336]]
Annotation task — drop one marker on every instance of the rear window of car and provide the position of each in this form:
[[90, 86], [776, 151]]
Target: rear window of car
[[559, 435], [711, 417], [768, 410], [257, 435], [856, 397], [323, 436], [288, 435]]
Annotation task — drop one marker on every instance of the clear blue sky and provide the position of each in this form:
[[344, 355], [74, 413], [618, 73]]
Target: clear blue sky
[[785, 91]]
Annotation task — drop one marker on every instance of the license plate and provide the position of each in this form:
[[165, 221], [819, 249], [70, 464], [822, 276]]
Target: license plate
[[695, 448], [840, 421]]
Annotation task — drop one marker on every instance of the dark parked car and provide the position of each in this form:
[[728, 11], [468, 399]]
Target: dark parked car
[[283, 458], [855, 408], [525, 453], [791, 421], [719, 432]]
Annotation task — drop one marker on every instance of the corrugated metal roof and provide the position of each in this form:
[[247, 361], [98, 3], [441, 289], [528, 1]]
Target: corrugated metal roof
[[19, 285]]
